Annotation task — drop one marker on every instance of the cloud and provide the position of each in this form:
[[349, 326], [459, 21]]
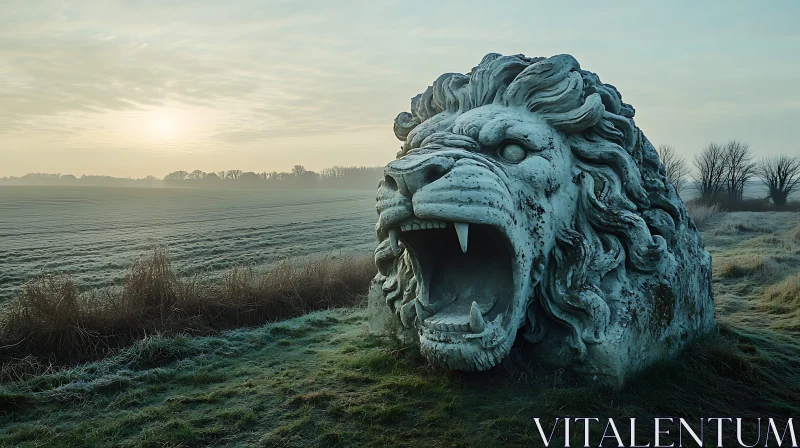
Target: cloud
[[248, 63], [248, 73], [80, 72]]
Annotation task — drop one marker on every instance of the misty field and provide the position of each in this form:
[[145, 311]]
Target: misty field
[[94, 234], [321, 380]]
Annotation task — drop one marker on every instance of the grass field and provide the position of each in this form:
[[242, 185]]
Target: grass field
[[321, 380]]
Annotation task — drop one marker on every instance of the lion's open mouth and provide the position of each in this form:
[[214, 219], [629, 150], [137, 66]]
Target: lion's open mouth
[[465, 275]]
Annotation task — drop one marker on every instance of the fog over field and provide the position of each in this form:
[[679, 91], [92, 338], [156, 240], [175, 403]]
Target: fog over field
[[95, 233]]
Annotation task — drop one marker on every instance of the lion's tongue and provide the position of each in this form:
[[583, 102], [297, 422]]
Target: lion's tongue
[[461, 280]]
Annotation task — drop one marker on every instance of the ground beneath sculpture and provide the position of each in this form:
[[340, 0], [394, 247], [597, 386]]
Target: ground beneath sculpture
[[319, 380]]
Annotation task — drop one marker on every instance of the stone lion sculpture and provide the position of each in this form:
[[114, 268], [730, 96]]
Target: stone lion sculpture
[[525, 203]]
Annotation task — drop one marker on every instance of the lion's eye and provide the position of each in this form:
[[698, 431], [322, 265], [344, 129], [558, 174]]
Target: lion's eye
[[513, 153]]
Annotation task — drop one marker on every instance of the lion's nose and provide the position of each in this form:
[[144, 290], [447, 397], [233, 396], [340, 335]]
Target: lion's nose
[[409, 174]]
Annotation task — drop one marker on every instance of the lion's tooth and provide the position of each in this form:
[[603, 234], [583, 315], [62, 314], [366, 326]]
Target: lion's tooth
[[476, 322], [393, 241], [498, 320], [462, 230], [422, 313], [415, 226]]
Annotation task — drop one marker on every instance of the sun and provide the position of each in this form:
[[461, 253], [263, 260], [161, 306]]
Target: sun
[[168, 126], [165, 126]]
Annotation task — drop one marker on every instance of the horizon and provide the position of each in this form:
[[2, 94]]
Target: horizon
[[148, 88], [215, 172]]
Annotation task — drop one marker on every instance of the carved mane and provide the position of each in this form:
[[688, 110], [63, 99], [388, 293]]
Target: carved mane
[[628, 214]]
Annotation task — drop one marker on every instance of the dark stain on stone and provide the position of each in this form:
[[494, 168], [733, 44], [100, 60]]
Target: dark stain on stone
[[663, 305]]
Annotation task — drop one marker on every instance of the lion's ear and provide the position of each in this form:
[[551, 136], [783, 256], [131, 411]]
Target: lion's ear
[[403, 124]]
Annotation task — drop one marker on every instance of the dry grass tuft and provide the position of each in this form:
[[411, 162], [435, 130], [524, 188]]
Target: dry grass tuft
[[795, 233], [151, 286], [768, 241], [757, 205], [784, 298], [21, 369], [701, 213], [743, 265], [313, 397], [738, 223], [51, 320]]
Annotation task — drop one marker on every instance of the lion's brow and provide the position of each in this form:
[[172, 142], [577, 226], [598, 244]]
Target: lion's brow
[[450, 140]]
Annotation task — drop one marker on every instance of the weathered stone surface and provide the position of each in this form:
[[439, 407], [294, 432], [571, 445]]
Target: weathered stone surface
[[526, 201]]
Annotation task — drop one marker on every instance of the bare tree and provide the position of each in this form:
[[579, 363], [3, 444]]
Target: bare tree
[[233, 174], [250, 177], [675, 166], [197, 175], [781, 175], [712, 168], [176, 175], [740, 168], [298, 170]]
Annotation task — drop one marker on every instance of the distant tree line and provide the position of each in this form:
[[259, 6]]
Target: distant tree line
[[359, 177], [49, 179], [722, 171], [356, 177]]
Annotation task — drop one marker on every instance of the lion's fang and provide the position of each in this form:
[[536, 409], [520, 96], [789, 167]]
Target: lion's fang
[[393, 242], [476, 322], [462, 230]]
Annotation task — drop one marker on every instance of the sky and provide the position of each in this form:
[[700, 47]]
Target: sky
[[137, 88]]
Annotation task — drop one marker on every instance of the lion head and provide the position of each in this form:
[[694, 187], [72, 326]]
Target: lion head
[[526, 201]]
